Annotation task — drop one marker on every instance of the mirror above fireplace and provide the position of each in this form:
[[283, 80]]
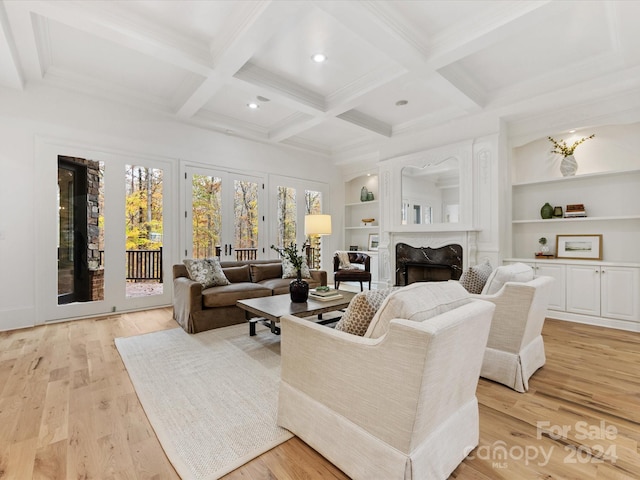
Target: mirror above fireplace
[[431, 192]]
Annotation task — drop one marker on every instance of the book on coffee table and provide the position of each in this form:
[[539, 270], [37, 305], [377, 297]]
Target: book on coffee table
[[325, 298], [332, 292]]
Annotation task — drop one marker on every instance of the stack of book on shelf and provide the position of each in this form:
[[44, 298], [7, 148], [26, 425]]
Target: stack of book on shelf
[[574, 211], [324, 294]]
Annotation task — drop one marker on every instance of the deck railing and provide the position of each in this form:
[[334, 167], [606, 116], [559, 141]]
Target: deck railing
[[144, 265]]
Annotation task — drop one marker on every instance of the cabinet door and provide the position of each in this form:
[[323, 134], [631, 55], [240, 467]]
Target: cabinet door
[[583, 289], [557, 272], [620, 289]]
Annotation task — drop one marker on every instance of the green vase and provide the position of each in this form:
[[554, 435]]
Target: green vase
[[546, 211]]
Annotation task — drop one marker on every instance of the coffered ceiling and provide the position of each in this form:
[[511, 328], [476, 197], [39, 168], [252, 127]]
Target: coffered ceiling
[[203, 62]]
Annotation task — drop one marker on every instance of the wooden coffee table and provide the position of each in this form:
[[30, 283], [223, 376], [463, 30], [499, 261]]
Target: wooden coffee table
[[270, 309]]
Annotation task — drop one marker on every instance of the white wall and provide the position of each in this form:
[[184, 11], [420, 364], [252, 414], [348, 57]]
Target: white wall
[[39, 114]]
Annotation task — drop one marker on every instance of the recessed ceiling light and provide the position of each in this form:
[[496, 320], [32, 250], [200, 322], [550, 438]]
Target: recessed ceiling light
[[401, 103], [319, 57], [572, 131], [253, 105]]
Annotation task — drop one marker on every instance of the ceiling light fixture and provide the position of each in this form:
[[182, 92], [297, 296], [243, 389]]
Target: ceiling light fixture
[[319, 57], [253, 105], [401, 103]]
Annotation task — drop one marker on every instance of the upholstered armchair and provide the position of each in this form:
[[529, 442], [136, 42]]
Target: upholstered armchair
[[357, 268], [515, 349], [397, 405]]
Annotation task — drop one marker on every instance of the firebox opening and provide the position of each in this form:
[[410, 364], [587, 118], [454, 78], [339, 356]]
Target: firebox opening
[[424, 264]]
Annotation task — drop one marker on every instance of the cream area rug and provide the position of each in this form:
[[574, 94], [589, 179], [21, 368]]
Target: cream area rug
[[211, 397]]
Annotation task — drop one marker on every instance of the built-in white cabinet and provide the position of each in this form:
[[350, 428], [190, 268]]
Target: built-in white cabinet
[[607, 291], [601, 293]]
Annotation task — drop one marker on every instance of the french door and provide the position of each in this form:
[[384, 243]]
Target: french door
[[100, 235], [223, 215]]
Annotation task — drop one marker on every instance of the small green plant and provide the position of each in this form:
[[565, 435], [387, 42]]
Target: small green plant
[[563, 149], [290, 252], [542, 241]]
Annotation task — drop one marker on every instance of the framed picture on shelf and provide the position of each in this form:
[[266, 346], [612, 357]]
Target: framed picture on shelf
[[579, 247], [373, 241], [353, 248]]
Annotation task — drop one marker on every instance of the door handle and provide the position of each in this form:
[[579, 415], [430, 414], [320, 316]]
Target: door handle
[[226, 245]]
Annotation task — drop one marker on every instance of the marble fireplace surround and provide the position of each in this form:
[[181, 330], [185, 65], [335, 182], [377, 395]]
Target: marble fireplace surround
[[467, 239]]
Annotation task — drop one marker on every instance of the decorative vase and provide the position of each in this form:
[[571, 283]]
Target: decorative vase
[[299, 290], [363, 194], [557, 212], [568, 166], [369, 196], [546, 211]]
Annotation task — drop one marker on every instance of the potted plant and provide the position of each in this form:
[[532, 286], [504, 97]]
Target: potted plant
[[544, 250], [298, 288], [568, 166]]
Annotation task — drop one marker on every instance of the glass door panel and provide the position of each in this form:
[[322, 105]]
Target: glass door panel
[[245, 216], [80, 230], [206, 215], [144, 229]]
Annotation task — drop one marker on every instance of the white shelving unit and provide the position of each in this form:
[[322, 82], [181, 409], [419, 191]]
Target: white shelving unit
[[612, 203], [356, 234]]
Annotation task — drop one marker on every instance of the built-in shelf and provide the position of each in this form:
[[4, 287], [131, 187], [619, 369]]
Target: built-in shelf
[[580, 219], [358, 204], [574, 178], [368, 227]]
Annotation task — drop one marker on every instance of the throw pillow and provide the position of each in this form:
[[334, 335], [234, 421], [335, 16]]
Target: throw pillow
[[288, 270], [418, 302], [361, 310], [207, 272], [237, 274], [474, 278], [264, 271], [343, 260], [517, 272]]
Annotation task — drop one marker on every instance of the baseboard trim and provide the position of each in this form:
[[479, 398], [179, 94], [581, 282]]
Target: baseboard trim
[[598, 321]]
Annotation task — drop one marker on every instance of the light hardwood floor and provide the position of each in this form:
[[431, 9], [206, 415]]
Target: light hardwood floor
[[68, 411]]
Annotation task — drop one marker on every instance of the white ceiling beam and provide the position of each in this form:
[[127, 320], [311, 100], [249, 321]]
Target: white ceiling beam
[[243, 40], [115, 26], [22, 26], [10, 71]]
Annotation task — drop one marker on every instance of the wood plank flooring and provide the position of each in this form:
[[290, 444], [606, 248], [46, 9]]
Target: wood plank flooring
[[68, 411]]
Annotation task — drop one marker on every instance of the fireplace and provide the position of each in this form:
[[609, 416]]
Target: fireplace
[[425, 264]]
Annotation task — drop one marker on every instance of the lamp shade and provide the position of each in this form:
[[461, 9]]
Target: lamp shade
[[317, 224]]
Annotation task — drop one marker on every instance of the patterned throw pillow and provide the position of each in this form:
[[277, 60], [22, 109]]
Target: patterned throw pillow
[[207, 272], [361, 310], [474, 278], [288, 271]]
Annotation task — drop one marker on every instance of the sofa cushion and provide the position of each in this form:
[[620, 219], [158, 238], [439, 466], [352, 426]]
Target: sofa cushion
[[237, 274], [228, 295], [474, 278], [418, 301], [517, 272], [289, 271], [362, 308], [263, 271], [207, 271]]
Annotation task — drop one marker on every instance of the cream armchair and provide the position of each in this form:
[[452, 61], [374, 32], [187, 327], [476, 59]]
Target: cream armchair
[[401, 406], [515, 349]]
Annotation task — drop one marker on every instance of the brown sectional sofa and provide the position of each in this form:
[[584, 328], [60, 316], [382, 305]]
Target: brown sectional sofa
[[197, 309]]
